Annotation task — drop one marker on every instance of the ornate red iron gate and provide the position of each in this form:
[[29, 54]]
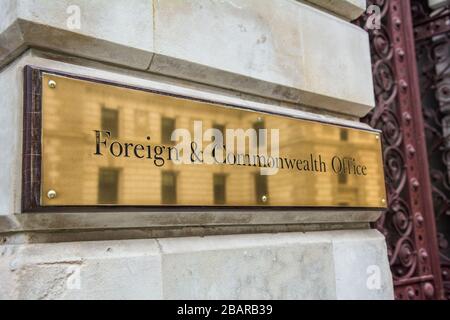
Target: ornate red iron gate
[[409, 223], [432, 34]]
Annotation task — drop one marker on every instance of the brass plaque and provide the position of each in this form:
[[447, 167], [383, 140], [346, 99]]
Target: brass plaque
[[104, 144]]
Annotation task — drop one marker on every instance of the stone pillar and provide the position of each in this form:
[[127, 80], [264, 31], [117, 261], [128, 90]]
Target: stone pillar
[[297, 58]]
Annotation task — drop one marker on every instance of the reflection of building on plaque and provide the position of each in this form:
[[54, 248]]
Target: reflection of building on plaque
[[169, 187], [137, 181], [260, 139], [108, 185], [261, 188], [110, 121], [344, 134], [219, 189], [167, 127], [342, 178]]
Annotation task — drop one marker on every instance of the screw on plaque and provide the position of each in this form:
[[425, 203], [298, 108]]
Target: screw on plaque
[[51, 194], [52, 84]]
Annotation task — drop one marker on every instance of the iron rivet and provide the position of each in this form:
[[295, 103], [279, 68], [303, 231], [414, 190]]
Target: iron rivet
[[51, 194], [407, 117], [415, 184], [428, 289], [423, 254], [264, 198], [419, 219], [411, 149], [52, 84], [403, 84]]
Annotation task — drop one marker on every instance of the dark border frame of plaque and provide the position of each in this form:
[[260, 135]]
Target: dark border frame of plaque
[[31, 159]]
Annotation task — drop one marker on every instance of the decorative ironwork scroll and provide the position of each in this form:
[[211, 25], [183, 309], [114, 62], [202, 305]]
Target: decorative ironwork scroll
[[408, 224]]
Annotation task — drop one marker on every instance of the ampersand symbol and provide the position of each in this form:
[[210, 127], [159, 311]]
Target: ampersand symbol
[[194, 154]]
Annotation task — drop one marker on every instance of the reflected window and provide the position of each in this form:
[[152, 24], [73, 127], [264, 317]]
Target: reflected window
[[167, 127], [169, 187], [110, 121], [108, 186], [260, 139], [261, 188], [219, 189], [342, 178], [344, 135]]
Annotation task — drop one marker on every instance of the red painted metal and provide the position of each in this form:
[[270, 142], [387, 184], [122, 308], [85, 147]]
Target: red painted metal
[[433, 26], [433, 48], [408, 224]]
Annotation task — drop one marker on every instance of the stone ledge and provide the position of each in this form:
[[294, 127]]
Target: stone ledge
[[314, 265], [349, 9], [275, 49], [24, 34], [169, 232], [58, 222]]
